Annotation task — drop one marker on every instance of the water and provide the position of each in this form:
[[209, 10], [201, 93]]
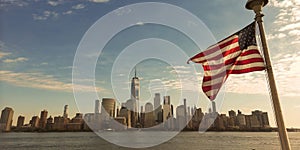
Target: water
[[185, 141]]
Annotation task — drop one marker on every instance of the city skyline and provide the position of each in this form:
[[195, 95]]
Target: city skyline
[[37, 57], [211, 119], [109, 106]]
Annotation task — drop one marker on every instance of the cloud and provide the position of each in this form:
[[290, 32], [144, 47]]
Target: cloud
[[78, 6], [290, 27], [42, 81], [295, 32], [7, 3], [19, 59], [287, 20], [67, 12], [276, 36], [140, 23], [3, 54], [286, 72], [45, 15], [99, 1], [284, 3], [53, 3], [44, 63]]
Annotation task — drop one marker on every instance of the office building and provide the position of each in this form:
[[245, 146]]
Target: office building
[[108, 107], [6, 119], [65, 115], [135, 97], [124, 112], [43, 119], [149, 116], [180, 117], [214, 109], [157, 107], [60, 123], [167, 108], [20, 121], [262, 118], [241, 119], [135, 91], [97, 106], [231, 113], [35, 121]]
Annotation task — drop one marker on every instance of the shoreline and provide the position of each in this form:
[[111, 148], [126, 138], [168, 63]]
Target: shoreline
[[143, 130]]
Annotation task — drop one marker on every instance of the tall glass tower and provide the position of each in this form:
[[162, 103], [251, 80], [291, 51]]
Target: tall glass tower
[[135, 87], [135, 97]]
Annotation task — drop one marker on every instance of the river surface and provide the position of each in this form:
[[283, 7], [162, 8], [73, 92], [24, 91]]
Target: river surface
[[183, 141]]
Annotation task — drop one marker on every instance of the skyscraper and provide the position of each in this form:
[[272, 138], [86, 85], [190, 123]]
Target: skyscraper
[[20, 121], [214, 109], [167, 108], [135, 97], [135, 91], [232, 113], [157, 107], [43, 119], [35, 121], [149, 115], [184, 111], [135, 87], [6, 119], [97, 107], [108, 106], [66, 111], [181, 117], [262, 118]]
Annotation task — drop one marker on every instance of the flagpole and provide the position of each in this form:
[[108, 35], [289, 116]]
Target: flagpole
[[256, 6]]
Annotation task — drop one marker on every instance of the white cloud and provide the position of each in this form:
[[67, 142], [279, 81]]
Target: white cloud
[[44, 63], [140, 23], [287, 22], [3, 54], [284, 3], [6, 3], [286, 72], [276, 36], [295, 32], [67, 12], [42, 81], [290, 27], [78, 6], [99, 1], [53, 3], [19, 59], [45, 15]]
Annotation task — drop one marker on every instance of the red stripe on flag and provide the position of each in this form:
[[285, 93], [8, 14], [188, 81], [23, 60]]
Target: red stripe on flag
[[214, 49]]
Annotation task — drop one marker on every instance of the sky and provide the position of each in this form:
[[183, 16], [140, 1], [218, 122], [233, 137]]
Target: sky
[[39, 40]]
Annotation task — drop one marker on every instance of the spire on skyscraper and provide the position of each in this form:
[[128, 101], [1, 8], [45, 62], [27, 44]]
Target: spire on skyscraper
[[135, 72]]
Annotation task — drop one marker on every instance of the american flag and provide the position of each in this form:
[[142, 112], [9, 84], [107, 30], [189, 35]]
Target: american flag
[[236, 54]]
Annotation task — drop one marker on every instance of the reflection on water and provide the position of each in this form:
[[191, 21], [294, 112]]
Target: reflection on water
[[185, 140]]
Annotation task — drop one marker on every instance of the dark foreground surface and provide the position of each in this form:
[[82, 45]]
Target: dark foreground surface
[[184, 140]]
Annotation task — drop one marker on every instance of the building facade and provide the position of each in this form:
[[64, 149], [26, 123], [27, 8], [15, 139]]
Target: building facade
[[6, 119]]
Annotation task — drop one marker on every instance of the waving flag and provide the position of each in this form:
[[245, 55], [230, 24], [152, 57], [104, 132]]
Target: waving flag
[[234, 55]]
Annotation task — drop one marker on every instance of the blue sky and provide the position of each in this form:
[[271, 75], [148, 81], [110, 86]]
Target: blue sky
[[39, 39]]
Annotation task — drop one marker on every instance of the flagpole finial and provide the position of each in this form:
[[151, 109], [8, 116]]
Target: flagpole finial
[[256, 4]]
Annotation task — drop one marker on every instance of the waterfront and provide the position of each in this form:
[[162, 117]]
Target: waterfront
[[185, 140]]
